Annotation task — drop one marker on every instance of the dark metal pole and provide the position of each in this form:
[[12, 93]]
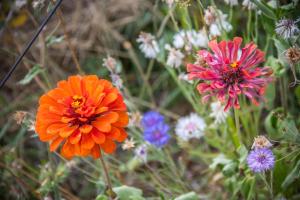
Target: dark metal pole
[[45, 21]]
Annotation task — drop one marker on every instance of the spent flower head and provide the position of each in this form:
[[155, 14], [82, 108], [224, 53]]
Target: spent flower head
[[218, 113], [141, 152], [175, 57], [231, 2], [249, 5], [189, 127], [111, 64], [287, 28], [261, 142], [292, 55], [20, 116], [148, 45], [116, 81], [128, 144]]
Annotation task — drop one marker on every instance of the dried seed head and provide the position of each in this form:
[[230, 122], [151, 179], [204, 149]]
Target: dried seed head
[[293, 55], [128, 144], [19, 116], [184, 3], [210, 15], [261, 142]]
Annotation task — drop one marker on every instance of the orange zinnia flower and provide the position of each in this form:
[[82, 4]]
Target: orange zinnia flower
[[85, 114]]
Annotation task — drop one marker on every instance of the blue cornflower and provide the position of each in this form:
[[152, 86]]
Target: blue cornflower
[[260, 160], [157, 135], [155, 129], [151, 119]]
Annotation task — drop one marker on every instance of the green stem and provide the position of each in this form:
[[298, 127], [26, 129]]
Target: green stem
[[53, 170], [236, 134], [109, 191], [174, 169], [263, 177]]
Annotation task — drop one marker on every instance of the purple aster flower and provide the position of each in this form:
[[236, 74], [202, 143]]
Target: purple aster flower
[[151, 119], [157, 135], [260, 160]]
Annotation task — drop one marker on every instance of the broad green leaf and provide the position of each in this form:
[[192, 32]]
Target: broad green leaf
[[219, 160], [272, 123], [128, 193], [101, 197], [266, 9], [188, 196], [290, 131], [291, 177], [33, 72]]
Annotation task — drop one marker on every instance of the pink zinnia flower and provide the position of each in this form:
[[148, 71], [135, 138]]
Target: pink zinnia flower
[[230, 71]]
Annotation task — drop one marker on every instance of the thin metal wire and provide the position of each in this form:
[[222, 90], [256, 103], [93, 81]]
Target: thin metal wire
[[28, 46]]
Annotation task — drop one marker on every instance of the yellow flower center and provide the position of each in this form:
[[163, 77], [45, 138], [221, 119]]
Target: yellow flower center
[[78, 101], [234, 64]]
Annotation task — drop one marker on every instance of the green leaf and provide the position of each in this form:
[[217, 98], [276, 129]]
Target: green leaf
[[265, 8], [290, 131], [272, 123], [188, 196], [54, 40], [125, 192], [219, 160], [33, 72], [277, 65], [101, 197], [291, 177]]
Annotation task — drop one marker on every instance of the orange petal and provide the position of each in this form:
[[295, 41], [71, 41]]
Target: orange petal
[[123, 120], [96, 152], [111, 97], [67, 150], [123, 135], [118, 104], [77, 149], [67, 131], [102, 125], [64, 85], [75, 137], [75, 84], [45, 99], [66, 119], [97, 94], [57, 94], [110, 117], [46, 137], [101, 110], [55, 143], [85, 128], [84, 152], [55, 128], [87, 142], [89, 83], [108, 146], [114, 134], [97, 136]]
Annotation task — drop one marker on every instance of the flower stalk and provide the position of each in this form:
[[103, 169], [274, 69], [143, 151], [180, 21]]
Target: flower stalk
[[109, 191], [235, 135]]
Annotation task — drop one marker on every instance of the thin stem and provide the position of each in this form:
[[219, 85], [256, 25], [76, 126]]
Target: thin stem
[[175, 169], [73, 53], [110, 191], [53, 170], [263, 177], [236, 134]]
